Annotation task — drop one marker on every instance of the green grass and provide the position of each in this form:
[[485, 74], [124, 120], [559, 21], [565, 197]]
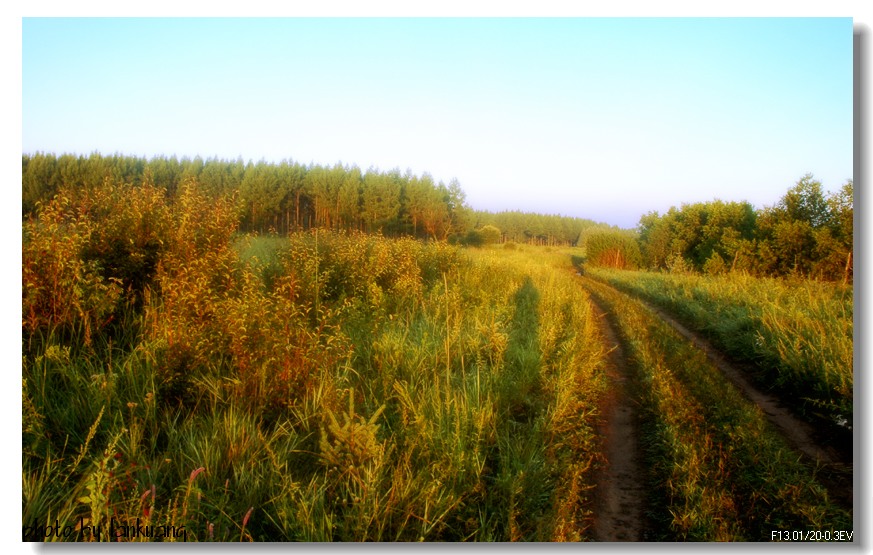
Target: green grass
[[798, 334], [721, 473], [330, 387]]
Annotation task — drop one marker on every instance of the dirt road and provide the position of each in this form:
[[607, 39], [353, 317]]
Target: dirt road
[[621, 486], [835, 468]]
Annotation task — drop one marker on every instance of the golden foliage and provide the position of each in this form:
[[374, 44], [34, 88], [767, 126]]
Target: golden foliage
[[353, 443]]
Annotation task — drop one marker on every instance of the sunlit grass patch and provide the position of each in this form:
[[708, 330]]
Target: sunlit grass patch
[[799, 334], [721, 472], [319, 386]]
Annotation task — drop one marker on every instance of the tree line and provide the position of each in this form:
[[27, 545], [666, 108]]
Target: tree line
[[289, 196], [537, 229], [806, 234]]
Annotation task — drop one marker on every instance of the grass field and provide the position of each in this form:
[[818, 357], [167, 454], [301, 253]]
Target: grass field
[[197, 384], [324, 387], [719, 472], [798, 334]]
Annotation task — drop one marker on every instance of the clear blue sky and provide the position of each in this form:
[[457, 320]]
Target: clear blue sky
[[598, 118]]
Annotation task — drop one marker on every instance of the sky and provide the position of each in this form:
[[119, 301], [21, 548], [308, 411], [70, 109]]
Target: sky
[[600, 118]]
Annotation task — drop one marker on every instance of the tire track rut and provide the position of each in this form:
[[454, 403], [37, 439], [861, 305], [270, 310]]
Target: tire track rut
[[835, 467], [621, 494]]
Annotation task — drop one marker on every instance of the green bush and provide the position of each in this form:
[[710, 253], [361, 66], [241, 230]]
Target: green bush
[[613, 249]]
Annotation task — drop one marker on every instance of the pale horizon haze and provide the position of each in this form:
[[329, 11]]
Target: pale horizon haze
[[599, 118]]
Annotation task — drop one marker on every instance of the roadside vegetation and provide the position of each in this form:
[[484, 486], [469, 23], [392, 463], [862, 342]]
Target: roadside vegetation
[[720, 473], [321, 386], [807, 235], [797, 334]]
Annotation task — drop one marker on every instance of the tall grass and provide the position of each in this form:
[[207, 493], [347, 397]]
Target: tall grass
[[324, 386], [721, 473], [799, 334]]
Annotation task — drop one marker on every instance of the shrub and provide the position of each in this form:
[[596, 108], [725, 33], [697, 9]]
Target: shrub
[[613, 249], [473, 238], [490, 234], [715, 265], [62, 291]]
